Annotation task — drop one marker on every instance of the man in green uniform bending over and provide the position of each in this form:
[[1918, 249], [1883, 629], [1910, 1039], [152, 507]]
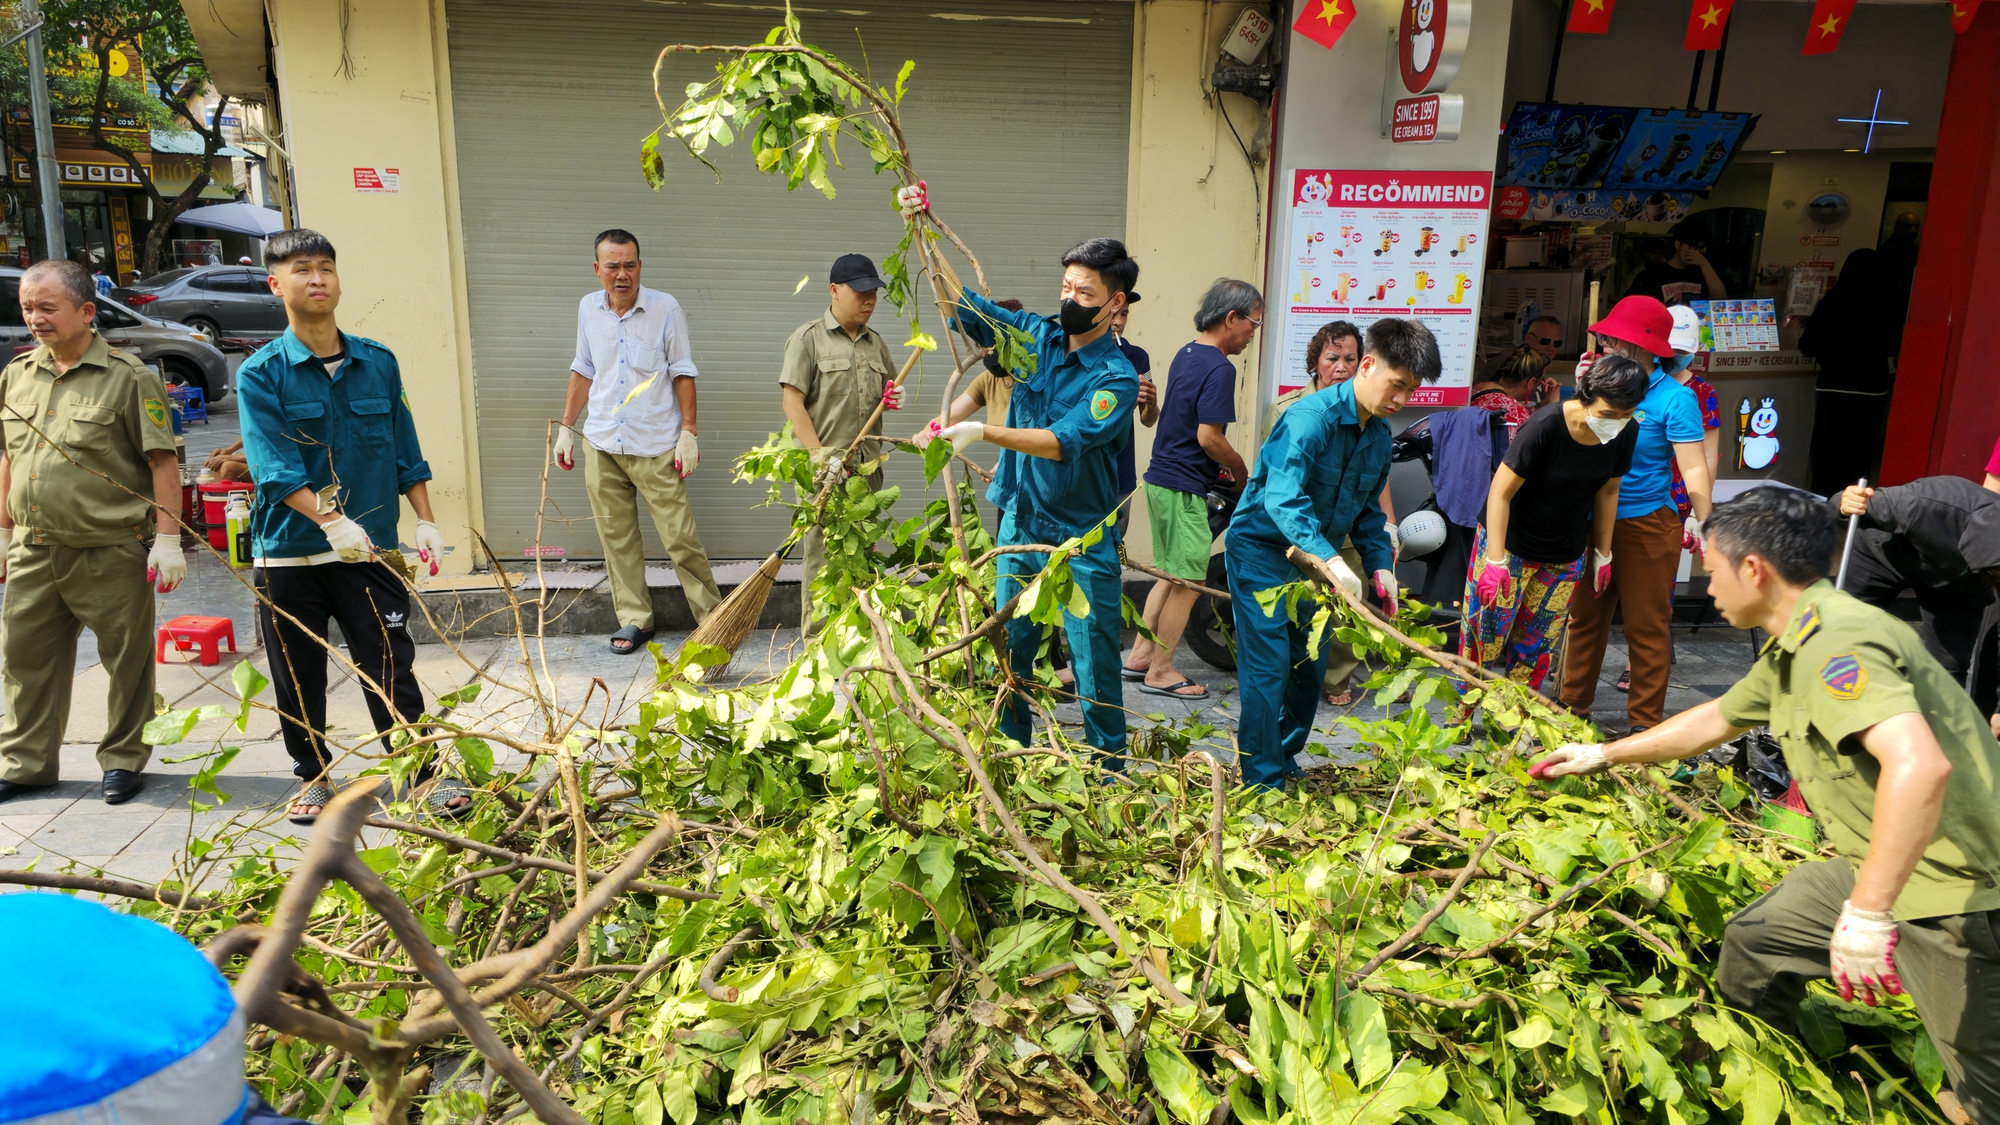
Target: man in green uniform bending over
[[1897, 765]]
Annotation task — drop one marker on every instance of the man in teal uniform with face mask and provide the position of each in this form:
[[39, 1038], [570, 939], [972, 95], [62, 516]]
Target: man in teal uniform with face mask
[[1058, 473]]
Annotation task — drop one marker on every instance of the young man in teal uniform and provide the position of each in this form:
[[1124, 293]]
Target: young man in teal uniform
[[1058, 473], [1317, 481]]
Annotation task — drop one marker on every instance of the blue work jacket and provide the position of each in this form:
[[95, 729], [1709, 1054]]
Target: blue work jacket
[[1317, 481], [302, 429], [1085, 398]]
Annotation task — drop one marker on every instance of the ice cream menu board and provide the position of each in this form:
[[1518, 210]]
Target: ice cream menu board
[[1601, 146], [1738, 326], [1360, 246]]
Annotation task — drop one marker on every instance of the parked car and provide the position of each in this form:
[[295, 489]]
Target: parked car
[[226, 302], [184, 354]]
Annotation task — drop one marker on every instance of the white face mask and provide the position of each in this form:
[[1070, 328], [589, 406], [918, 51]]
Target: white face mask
[[1605, 428]]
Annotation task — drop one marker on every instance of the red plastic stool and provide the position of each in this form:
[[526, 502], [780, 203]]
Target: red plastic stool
[[186, 632]]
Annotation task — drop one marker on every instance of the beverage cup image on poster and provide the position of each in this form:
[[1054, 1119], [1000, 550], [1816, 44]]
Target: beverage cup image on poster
[[1363, 245]]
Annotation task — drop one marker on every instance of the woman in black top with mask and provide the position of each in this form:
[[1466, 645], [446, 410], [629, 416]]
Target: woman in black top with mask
[[1561, 473]]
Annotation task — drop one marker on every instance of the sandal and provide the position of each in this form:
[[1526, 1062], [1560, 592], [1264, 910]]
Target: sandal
[[1624, 683], [634, 639], [312, 795], [1344, 699], [438, 793]]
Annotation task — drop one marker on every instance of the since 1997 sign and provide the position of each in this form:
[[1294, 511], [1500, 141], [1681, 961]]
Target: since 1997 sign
[[1363, 245]]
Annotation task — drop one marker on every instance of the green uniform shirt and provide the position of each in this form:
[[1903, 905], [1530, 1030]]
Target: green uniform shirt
[[842, 378], [1839, 668], [108, 413]]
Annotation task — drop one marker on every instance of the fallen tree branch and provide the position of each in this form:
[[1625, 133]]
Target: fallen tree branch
[[723, 993], [667, 890], [1433, 914], [1571, 893], [102, 885]]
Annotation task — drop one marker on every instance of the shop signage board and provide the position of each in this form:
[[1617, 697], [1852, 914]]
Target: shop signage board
[[1362, 245], [377, 181], [82, 173]]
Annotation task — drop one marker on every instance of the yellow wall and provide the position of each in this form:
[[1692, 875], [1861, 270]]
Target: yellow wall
[[398, 253], [1192, 205]]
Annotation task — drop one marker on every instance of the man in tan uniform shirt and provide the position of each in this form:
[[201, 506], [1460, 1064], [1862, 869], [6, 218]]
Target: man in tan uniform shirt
[[836, 370], [76, 541]]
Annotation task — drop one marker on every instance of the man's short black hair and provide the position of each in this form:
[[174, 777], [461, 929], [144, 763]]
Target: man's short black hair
[[297, 242], [1108, 257], [1406, 345], [1793, 531], [617, 237]]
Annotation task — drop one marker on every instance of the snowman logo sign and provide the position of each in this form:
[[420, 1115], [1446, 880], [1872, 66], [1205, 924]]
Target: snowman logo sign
[[1314, 191], [1757, 435], [1431, 41]]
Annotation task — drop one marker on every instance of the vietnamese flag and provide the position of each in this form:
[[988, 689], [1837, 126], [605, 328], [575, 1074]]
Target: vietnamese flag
[[1324, 21], [1590, 17], [1706, 22], [1829, 23], [1962, 12]]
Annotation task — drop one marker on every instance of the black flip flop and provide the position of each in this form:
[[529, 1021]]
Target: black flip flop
[[633, 636], [1131, 675], [1173, 691]]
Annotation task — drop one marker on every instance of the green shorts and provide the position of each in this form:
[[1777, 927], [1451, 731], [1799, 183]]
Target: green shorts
[[1181, 539]]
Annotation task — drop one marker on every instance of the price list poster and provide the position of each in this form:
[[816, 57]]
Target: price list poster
[[1364, 245]]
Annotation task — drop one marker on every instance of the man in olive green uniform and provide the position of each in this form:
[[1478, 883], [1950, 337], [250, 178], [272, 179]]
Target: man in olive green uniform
[[76, 542], [836, 370], [1899, 769]]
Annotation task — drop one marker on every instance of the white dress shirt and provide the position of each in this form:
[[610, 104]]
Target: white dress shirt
[[632, 362]]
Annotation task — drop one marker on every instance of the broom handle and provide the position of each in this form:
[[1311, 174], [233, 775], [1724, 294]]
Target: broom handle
[[827, 489], [1847, 552]]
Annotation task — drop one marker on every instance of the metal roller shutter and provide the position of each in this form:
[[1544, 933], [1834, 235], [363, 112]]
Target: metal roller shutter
[[1018, 116]]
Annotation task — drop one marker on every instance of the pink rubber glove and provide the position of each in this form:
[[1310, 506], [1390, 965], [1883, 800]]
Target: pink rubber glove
[[1600, 571], [1494, 581], [892, 396], [1385, 591], [1862, 954]]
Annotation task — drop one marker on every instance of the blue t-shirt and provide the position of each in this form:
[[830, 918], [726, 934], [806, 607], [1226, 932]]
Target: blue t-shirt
[[1666, 416], [1128, 472], [1200, 391]]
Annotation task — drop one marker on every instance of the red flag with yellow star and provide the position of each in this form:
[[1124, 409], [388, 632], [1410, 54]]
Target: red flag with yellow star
[[1590, 17], [1324, 21], [1962, 12], [1706, 22], [1829, 23]]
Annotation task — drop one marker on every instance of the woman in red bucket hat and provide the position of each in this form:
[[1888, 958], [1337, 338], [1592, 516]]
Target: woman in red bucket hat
[[1646, 540]]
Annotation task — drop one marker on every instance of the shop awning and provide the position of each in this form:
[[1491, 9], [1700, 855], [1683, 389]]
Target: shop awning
[[190, 144], [238, 218]]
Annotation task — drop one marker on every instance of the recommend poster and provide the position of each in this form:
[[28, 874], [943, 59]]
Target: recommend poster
[[1360, 246]]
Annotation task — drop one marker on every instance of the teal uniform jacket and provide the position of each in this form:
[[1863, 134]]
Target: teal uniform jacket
[[1086, 399], [1317, 481]]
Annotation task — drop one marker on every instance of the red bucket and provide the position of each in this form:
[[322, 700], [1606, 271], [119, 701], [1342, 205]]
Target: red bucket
[[215, 506]]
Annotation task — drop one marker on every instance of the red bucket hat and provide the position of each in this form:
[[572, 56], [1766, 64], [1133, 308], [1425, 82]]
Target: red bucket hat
[[1642, 321]]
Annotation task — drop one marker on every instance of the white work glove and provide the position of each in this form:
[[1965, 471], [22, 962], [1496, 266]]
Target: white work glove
[[962, 434], [565, 447], [829, 466], [1863, 954], [1385, 591], [165, 565], [1575, 758], [913, 199], [1600, 571], [1344, 576], [687, 453], [6, 545], [892, 396], [1395, 541], [430, 544], [347, 538], [1691, 534]]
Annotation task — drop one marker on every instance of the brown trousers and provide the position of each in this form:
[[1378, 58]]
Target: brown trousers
[[1645, 554]]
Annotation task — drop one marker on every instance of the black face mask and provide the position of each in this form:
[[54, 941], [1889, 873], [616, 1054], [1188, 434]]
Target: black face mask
[[1078, 319]]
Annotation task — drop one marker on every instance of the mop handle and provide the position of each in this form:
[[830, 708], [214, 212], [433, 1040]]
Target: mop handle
[[1847, 552]]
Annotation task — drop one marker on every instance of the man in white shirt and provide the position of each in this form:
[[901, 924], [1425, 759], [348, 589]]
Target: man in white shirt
[[635, 369]]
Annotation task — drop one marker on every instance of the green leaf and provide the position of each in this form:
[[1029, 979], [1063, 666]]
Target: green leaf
[[1572, 1100], [922, 340], [172, 727], [936, 456], [1534, 1033], [1763, 1100], [1177, 1082], [1820, 1027], [1367, 1037], [647, 1109], [478, 758], [677, 1097], [1665, 1007], [903, 78]]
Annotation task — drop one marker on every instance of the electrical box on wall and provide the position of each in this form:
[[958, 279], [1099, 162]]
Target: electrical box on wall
[[1236, 68], [1253, 81]]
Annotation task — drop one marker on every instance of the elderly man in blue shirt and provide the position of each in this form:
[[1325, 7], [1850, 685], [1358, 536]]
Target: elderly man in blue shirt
[[1318, 480], [331, 444], [1058, 473]]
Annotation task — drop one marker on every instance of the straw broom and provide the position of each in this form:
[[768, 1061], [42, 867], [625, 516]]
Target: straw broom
[[730, 623]]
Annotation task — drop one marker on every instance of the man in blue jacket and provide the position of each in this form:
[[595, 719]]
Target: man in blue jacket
[[1057, 476], [331, 444], [1318, 481]]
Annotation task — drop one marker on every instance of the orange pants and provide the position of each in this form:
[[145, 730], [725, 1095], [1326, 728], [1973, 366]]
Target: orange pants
[[1645, 554]]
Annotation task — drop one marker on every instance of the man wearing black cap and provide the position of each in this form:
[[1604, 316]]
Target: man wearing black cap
[[1685, 276], [836, 369]]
